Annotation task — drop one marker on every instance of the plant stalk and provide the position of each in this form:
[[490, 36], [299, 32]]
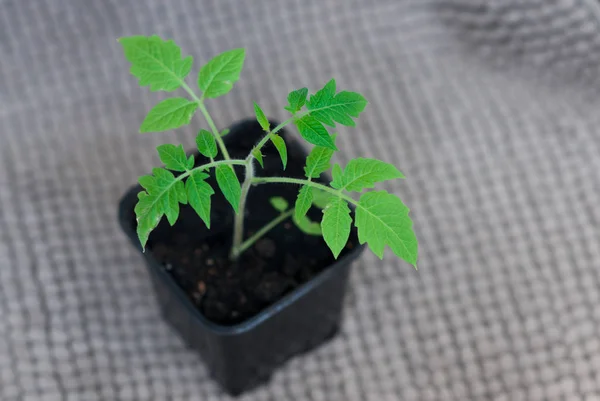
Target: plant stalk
[[231, 162], [239, 245], [298, 181], [238, 225], [265, 229], [200, 102], [275, 130], [214, 130]]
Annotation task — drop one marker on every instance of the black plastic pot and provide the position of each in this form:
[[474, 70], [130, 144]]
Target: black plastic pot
[[244, 355]]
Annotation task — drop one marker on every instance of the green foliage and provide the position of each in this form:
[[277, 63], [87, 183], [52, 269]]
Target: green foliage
[[362, 173], [323, 95], [217, 77], [314, 132], [329, 108], [307, 226], [198, 194], [318, 161], [258, 156], [261, 118], [382, 219], [162, 196], [173, 157], [205, 141], [190, 162], [336, 171], [279, 144], [296, 100], [156, 62], [303, 202], [229, 185], [336, 225], [321, 198], [169, 114], [279, 203], [148, 213]]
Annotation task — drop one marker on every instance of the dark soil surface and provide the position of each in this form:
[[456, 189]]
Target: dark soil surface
[[225, 292]]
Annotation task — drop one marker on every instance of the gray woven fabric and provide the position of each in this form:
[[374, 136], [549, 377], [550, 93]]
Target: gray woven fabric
[[489, 107]]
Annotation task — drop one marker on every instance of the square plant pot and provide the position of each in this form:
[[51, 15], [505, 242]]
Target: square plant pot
[[243, 355]]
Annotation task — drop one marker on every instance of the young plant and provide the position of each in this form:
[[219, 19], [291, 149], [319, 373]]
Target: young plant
[[380, 217]]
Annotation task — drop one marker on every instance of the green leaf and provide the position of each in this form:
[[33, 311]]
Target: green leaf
[[279, 203], [225, 132], [296, 100], [181, 195], [172, 196], [190, 162], [198, 194], [281, 148], [307, 226], [324, 94], [314, 132], [329, 108], [173, 157], [148, 214], [258, 156], [336, 171], [217, 77], [303, 202], [229, 185], [382, 219], [205, 141], [318, 161], [156, 62], [169, 114], [148, 182], [261, 118], [321, 198], [363, 173], [336, 225], [162, 196]]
